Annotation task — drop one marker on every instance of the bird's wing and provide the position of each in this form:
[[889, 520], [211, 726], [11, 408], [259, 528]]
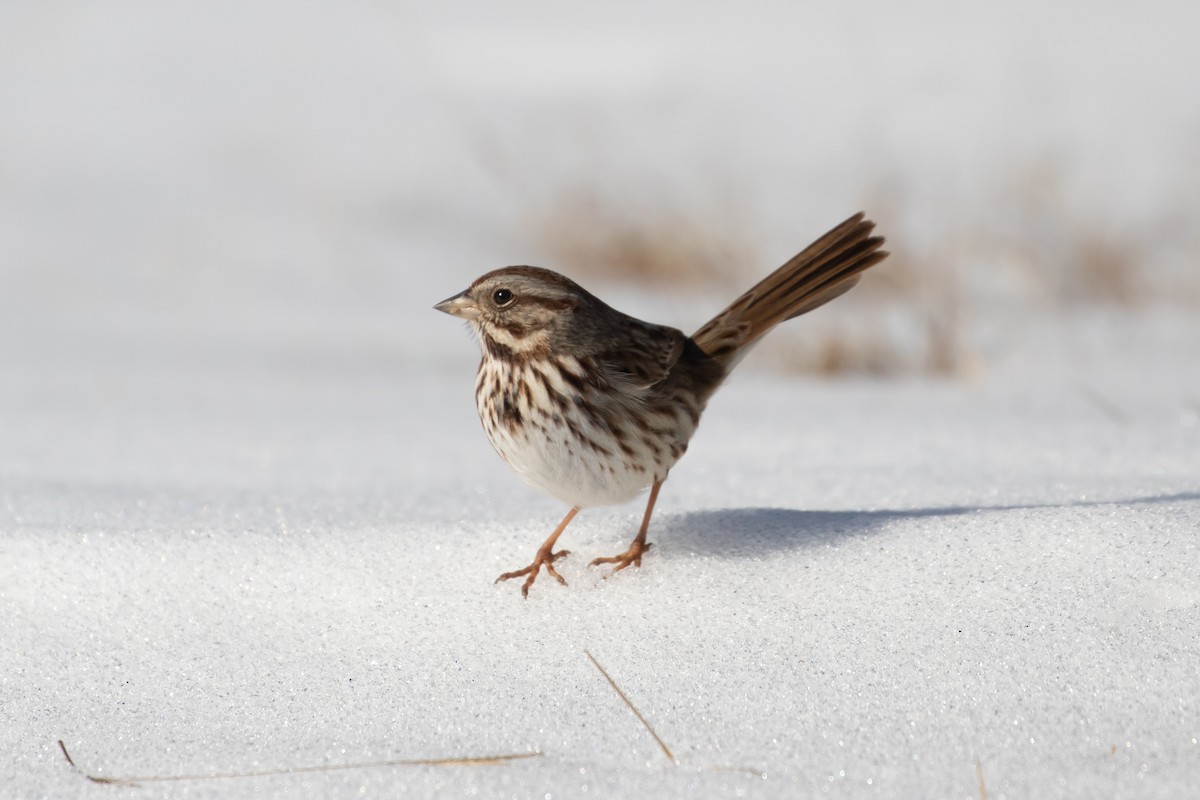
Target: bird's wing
[[640, 355]]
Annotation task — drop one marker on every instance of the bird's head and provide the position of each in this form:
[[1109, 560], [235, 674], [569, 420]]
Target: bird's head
[[518, 309]]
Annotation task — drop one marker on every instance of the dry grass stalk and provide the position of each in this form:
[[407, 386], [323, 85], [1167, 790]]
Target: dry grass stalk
[[979, 774], [463, 761], [666, 750]]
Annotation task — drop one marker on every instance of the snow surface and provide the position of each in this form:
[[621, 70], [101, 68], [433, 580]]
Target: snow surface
[[216, 563], [249, 521]]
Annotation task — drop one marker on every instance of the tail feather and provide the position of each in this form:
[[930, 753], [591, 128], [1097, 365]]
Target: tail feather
[[827, 268]]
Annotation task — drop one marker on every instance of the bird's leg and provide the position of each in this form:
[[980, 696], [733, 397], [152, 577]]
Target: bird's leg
[[545, 557], [639, 544]]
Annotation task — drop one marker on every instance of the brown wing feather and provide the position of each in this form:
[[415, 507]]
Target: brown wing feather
[[643, 356]]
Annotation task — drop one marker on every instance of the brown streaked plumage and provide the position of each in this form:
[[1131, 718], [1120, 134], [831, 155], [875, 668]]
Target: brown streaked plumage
[[591, 405]]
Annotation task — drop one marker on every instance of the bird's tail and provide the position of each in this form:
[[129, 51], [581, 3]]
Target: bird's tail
[[827, 268]]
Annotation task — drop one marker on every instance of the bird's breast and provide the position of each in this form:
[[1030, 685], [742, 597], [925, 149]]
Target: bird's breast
[[575, 437]]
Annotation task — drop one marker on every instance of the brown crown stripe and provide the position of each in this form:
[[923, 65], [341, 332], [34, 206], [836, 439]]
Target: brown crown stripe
[[538, 273]]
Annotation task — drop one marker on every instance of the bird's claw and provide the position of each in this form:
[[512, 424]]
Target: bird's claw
[[544, 558], [622, 560]]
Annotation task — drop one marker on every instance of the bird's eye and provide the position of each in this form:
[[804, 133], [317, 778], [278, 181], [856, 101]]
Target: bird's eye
[[502, 297]]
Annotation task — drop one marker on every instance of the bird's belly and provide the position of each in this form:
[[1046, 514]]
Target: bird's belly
[[588, 470]]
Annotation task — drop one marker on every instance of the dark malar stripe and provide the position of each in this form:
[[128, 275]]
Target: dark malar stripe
[[499, 352], [512, 328]]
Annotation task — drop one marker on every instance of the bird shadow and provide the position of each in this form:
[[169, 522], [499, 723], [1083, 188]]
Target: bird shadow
[[755, 532]]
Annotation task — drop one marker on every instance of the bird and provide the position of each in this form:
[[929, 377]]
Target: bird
[[593, 406]]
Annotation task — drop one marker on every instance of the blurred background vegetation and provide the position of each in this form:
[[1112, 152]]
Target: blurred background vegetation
[[313, 177]]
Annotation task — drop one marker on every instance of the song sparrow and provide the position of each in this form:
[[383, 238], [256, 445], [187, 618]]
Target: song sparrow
[[591, 405]]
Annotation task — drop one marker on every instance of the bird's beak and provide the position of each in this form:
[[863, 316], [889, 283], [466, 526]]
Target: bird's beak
[[461, 305]]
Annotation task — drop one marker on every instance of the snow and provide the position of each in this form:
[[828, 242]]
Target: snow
[[856, 586], [249, 520]]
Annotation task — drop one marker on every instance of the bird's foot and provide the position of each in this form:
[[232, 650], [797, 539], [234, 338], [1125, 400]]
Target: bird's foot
[[544, 558], [631, 556]]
